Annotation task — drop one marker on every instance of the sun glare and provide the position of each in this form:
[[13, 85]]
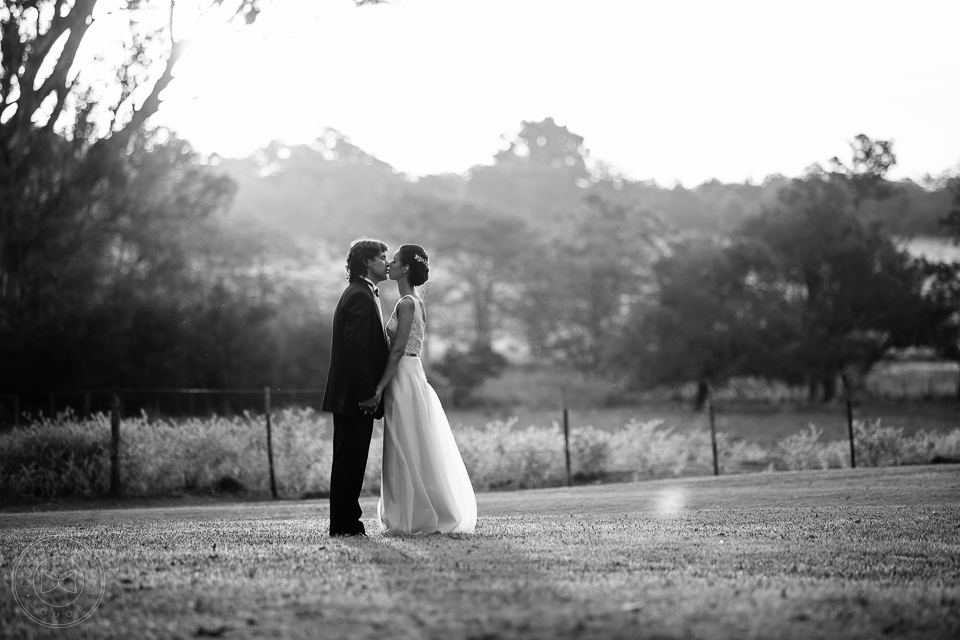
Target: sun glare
[[671, 500]]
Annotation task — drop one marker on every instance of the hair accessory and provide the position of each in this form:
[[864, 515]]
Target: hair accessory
[[419, 258]]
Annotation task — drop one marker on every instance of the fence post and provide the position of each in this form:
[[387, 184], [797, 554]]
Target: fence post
[[713, 432], [566, 432], [86, 405], [53, 406], [846, 392], [115, 443], [16, 411], [266, 408]]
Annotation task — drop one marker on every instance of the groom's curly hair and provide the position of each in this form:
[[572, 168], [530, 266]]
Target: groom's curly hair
[[361, 250]]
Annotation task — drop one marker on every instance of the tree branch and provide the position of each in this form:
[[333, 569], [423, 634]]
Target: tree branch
[[60, 23], [58, 78], [62, 94], [150, 105], [77, 21]]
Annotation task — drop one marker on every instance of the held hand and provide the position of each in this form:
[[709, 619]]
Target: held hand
[[370, 405]]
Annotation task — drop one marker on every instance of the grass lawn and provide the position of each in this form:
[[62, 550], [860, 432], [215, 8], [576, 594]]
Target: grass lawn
[[864, 553]]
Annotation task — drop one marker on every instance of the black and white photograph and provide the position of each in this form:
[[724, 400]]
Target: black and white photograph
[[480, 319]]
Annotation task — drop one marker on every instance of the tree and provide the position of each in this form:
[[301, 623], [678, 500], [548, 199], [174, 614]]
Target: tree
[[942, 296], [126, 254], [63, 149], [580, 284], [63, 145], [865, 175], [538, 178], [479, 249], [951, 221], [860, 292], [327, 189], [100, 217], [715, 315], [475, 253]]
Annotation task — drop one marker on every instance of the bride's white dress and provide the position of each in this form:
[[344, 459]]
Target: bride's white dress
[[424, 486]]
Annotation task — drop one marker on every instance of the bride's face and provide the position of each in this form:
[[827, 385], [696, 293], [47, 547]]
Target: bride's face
[[396, 270]]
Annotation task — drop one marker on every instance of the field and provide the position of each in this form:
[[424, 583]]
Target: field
[[862, 553], [764, 424], [914, 396]]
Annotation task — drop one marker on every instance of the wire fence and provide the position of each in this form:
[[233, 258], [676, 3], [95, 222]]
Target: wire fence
[[259, 401], [18, 408], [258, 409], [121, 401]]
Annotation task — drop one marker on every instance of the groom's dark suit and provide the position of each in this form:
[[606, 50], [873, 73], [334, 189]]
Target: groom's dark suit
[[358, 356]]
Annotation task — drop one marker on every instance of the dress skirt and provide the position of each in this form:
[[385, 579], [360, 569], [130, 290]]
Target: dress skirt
[[424, 486]]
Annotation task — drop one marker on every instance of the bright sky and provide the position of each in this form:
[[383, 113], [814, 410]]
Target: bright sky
[[665, 90]]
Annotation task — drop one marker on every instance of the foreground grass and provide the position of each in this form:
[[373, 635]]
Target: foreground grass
[[853, 553]]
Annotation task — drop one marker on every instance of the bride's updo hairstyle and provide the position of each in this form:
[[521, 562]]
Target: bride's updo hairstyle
[[413, 256]]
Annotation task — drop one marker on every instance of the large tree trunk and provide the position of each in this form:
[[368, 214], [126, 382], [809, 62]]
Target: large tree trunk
[[829, 387], [483, 315], [703, 394]]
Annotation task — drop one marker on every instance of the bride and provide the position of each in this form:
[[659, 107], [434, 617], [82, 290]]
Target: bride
[[424, 485]]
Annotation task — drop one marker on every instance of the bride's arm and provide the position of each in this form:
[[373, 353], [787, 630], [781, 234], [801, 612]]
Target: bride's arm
[[404, 323]]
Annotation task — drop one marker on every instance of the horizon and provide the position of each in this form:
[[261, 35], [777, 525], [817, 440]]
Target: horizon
[[922, 181]]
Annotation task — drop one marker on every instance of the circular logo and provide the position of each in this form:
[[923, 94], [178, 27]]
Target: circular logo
[[58, 582]]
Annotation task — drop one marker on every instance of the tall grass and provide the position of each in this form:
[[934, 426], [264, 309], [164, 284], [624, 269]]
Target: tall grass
[[67, 456]]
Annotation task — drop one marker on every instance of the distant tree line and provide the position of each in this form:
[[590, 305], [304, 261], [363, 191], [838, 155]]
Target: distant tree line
[[811, 287], [126, 258]]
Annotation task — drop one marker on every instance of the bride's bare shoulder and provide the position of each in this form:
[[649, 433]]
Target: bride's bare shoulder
[[406, 304]]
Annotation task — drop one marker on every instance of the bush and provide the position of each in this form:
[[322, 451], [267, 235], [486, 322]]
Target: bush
[[56, 457], [67, 457], [734, 455], [502, 457], [70, 457], [879, 446], [589, 452], [946, 447], [650, 452], [875, 446], [805, 451], [465, 371]]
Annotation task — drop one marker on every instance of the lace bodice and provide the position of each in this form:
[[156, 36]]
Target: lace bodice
[[417, 329]]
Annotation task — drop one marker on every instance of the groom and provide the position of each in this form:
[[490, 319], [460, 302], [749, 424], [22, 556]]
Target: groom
[[358, 357]]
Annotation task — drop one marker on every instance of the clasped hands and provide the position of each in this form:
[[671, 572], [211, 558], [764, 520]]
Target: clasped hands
[[370, 404]]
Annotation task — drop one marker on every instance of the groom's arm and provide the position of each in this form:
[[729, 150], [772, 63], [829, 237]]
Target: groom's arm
[[357, 318]]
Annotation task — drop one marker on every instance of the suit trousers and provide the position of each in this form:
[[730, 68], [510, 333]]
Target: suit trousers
[[351, 445]]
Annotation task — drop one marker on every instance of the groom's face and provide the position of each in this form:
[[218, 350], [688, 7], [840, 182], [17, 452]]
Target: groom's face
[[377, 268]]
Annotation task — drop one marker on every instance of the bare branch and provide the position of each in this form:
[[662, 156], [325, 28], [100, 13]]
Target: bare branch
[[41, 46], [77, 19], [62, 94], [147, 108], [58, 78]]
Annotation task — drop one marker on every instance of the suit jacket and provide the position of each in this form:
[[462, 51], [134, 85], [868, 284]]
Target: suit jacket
[[358, 354]]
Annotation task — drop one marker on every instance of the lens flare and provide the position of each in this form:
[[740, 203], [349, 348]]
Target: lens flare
[[670, 500]]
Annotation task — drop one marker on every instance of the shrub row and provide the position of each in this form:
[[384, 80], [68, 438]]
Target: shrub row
[[70, 457]]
